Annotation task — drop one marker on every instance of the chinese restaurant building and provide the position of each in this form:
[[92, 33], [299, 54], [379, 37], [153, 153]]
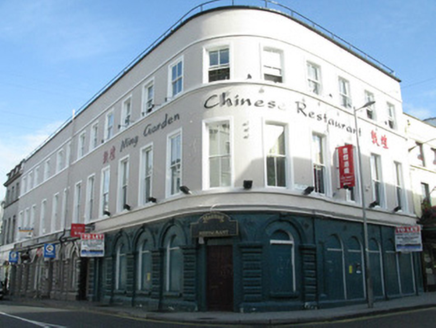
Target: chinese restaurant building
[[221, 168]]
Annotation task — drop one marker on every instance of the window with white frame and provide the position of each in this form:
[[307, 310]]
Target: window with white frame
[[54, 213], [123, 183], [176, 78], [282, 260], [425, 193], [121, 267], [420, 153], [391, 115], [173, 264], [43, 218], [21, 219], [104, 196], [272, 65], [26, 217], [219, 160], [37, 176], [64, 208], [126, 113], [319, 163], [219, 64], [68, 154], [148, 98], [174, 163], [23, 189], [376, 180], [77, 202], [60, 160], [32, 216], [399, 189], [344, 93], [90, 186], [146, 174], [370, 110], [30, 181], [144, 266], [81, 145], [94, 136], [275, 149], [433, 150], [109, 125], [314, 78]]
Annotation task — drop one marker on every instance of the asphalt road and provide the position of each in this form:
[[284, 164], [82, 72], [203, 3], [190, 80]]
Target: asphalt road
[[21, 316]]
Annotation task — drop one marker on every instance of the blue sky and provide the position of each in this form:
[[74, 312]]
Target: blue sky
[[56, 54]]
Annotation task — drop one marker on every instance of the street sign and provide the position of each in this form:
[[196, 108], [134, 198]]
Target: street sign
[[13, 257], [49, 251]]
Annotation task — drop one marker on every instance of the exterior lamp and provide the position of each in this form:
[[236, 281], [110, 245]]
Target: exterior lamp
[[185, 190], [368, 285]]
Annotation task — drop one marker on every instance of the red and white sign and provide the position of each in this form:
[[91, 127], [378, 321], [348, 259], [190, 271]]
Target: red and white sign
[[77, 229], [92, 245], [346, 166], [408, 239]]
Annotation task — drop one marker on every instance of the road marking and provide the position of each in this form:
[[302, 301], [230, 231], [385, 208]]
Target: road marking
[[36, 323]]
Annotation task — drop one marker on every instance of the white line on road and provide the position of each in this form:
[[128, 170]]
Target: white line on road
[[36, 323]]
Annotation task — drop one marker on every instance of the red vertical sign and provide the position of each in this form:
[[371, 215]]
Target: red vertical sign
[[346, 166]]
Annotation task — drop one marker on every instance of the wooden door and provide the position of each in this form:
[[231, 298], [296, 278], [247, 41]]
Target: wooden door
[[219, 278]]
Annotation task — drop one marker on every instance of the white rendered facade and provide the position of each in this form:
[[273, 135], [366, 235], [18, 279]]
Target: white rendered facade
[[212, 105]]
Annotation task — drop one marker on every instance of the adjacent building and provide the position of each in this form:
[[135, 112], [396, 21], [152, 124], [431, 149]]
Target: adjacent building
[[221, 170]]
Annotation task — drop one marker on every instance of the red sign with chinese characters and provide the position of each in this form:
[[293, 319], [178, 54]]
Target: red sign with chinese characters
[[77, 229], [346, 166]]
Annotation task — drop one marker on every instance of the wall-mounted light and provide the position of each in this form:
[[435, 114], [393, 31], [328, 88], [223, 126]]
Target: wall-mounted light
[[374, 204], [398, 208], [126, 207], [248, 184], [185, 190], [152, 199], [308, 190], [106, 212]]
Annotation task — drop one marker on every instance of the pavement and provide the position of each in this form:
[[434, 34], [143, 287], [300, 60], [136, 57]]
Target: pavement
[[422, 301]]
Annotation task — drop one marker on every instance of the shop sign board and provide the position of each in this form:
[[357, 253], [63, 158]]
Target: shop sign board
[[92, 245], [408, 239]]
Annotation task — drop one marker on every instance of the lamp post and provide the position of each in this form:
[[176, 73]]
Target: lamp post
[[368, 285]]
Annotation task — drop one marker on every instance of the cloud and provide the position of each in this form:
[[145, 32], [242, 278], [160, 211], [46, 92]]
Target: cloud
[[15, 149]]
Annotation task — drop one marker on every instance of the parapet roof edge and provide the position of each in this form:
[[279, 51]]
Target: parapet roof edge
[[188, 17]]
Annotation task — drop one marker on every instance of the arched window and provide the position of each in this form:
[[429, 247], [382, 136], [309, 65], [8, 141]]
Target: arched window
[[282, 265], [173, 263], [73, 271], [376, 265], [144, 266], [334, 275], [121, 268]]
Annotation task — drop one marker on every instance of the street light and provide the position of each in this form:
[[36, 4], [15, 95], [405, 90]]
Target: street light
[[368, 285]]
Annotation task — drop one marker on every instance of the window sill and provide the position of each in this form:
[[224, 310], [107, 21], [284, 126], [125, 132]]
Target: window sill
[[172, 294]]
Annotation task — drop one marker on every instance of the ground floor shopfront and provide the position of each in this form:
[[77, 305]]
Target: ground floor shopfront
[[232, 261]]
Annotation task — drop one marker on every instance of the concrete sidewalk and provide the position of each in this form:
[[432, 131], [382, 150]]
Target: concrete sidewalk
[[425, 300]]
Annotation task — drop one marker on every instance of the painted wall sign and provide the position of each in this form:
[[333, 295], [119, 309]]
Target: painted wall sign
[[224, 100], [152, 128], [128, 142], [214, 224], [109, 155], [346, 166]]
